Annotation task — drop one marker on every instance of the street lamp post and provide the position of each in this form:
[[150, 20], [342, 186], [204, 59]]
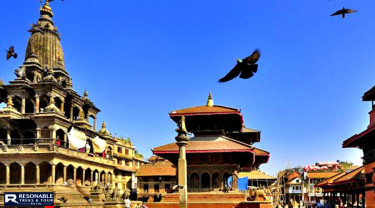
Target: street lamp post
[[182, 140]]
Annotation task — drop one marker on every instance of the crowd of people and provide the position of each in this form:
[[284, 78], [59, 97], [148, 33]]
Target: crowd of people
[[314, 204]]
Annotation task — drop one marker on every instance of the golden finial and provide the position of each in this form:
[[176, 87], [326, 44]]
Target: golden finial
[[1, 83], [85, 94], [46, 8], [104, 126], [210, 101]]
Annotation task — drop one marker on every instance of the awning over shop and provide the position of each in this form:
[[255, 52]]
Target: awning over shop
[[98, 144], [77, 139]]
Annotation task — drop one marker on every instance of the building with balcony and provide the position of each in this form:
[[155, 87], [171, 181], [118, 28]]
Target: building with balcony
[[48, 132]]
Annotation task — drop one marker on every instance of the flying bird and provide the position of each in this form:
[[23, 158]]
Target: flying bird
[[246, 67], [11, 53], [343, 11]]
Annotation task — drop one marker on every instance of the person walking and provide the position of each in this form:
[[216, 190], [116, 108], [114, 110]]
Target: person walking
[[127, 202]]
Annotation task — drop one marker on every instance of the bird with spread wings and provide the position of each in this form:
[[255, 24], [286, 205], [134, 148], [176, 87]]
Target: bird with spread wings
[[11, 53], [343, 12], [245, 67]]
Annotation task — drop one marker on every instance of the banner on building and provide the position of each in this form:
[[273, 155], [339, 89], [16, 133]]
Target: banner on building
[[77, 139], [28, 199], [98, 144]]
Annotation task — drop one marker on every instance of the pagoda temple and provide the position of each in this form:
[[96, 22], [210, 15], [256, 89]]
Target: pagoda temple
[[220, 147], [365, 141], [49, 141]]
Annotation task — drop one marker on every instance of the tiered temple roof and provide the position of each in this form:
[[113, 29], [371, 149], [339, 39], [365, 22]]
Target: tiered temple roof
[[216, 129]]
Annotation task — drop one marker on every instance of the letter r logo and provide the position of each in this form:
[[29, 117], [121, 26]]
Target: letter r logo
[[11, 198]]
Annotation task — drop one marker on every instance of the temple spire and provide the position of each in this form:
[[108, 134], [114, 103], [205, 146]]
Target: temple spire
[[210, 101]]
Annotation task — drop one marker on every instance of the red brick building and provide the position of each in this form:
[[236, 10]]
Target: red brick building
[[157, 177], [366, 142]]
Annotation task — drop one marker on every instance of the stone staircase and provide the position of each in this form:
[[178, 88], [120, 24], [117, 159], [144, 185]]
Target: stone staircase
[[74, 196]]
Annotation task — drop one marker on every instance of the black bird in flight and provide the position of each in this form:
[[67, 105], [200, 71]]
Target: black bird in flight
[[246, 67], [11, 53], [343, 11]]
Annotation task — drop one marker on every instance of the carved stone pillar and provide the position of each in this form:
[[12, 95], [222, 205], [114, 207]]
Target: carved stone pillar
[[37, 174], [74, 176], [9, 139], [53, 173], [7, 174], [113, 180], [38, 134], [182, 140], [66, 141], [23, 106], [62, 108], [71, 113], [37, 101], [65, 168], [22, 174], [95, 124], [53, 133], [91, 177], [83, 177]]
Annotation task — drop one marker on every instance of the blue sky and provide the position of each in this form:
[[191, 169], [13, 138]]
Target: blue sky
[[140, 60]]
